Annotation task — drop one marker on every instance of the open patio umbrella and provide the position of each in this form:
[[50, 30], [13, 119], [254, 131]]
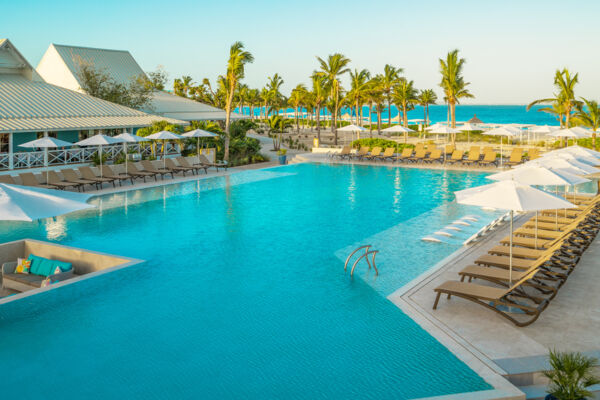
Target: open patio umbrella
[[25, 203], [572, 166], [589, 160], [469, 127], [538, 175], [510, 195], [543, 129], [199, 133], [570, 133], [352, 128], [127, 137], [502, 131], [99, 140], [46, 143], [577, 150], [398, 129], [164, 136]]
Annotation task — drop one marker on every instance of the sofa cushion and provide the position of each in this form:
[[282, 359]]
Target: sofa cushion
[[45, 267]]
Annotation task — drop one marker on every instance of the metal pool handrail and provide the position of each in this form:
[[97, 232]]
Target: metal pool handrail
[[366, 256]]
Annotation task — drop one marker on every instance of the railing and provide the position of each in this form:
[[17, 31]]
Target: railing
[[35, 159], [366, 255]]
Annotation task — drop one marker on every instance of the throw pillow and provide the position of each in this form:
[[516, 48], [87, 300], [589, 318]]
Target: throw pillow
[[23, 266]]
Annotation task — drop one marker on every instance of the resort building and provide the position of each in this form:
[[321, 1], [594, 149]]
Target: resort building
[[60, 66], [31, 107]]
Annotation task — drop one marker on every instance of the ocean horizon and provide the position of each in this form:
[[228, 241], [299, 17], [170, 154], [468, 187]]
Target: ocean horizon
[[488, 113]]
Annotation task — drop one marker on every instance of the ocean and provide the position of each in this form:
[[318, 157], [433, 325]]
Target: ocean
[[500, 114]]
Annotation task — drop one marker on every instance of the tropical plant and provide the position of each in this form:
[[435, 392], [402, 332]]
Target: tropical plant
[[389, 78], [426, 97], [277, 125], [319, 95], [157, 79], [242, 96], [453, 83], [295, 100], [563, 101], [571, 375], [589, 115], [405, 98], [333, 69], [274, 96], [238, 58], [359, 89], [182, 86], [253, 100], [376, 97]]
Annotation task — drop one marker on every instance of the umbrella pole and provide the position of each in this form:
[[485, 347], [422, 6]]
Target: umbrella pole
[[100, 155], [501, 154], [46, 163], [125, 150], [536, 228], [511, 246], [198, 147]]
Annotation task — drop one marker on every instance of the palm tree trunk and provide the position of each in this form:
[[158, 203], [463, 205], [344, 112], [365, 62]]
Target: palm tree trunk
[[319, 123], [405, 117], [227, 121], [424, 114], [453, 113], [390, 112]]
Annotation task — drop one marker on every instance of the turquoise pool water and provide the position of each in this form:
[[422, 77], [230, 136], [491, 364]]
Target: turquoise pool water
[[243, 294]]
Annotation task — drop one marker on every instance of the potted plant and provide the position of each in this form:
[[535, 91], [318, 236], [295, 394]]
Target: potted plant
[[571, 376], [282, 156]]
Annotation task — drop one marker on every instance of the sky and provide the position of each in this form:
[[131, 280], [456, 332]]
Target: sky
[[512, 48]]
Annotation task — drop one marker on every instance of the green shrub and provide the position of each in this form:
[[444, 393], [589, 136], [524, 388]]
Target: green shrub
[[383, 143]]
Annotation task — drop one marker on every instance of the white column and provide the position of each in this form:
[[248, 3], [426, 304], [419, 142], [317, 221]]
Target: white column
[[45, 152], [10, 151]]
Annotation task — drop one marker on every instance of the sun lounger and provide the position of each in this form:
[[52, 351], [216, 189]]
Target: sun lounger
[[28, 179], [87, 173], [406, 154], [488, 149], [435, 155], [374, 153], [488, 159], [177, 168], [533, 153], [516, 157], [205, 161], [184, 163], [387, 154], [499, 300], [345, 153], [7, 179], [138, 173], [474, 156], [71, 176], [55, 180], [149, 167], [108, 172], [457, 156], [364, 150], [419, 156], [449, 149]]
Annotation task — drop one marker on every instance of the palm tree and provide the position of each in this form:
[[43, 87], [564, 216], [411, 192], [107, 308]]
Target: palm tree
[[253, 100], [359, 87], [388, 80], [453, 82], [238, 58], [427, 97], [405, 97], [295, 100], [564, 100], [332, 69], [277, 126], [319, 93], [589, 116], [264, 97], [242, 96], [571, 375], [376, 97]]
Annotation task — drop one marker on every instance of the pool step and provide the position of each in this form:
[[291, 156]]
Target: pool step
[[368, 252]]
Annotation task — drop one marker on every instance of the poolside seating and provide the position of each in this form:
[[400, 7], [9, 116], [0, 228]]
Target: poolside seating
[[374, 153], [449, 149], [138, 173], [149, 167], [516, 157], [387, 154], [419, 156], [71, 176], [489, 158], [435, 155], [7, 179], [206, 162], [28, 179], [364, 150], [533, 153], [87, 173], [488, 149], [406, 154], [39, 270], [55, 180], [345, 153], [457, 156], [177, 168], [474, 156], [108, 172], [184, 163]]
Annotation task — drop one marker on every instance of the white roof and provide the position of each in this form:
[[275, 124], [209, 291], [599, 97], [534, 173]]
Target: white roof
[[60, 66]]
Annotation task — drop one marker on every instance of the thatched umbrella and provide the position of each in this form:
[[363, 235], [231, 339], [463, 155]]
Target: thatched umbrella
[[475, 120]]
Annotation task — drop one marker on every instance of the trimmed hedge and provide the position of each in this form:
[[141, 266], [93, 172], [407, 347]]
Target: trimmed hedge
[[383, 143]]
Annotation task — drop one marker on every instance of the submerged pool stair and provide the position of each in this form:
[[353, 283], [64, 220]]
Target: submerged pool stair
[[368, 252], [457, 230]]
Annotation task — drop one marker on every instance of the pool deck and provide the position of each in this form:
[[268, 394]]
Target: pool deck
[[478, 336]]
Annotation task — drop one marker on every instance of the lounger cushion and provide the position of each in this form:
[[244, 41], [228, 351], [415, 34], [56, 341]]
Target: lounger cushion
[[45, 267]]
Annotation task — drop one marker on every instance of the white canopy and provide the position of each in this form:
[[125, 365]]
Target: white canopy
[[502, 131], [130, 138], [539, 175], [198, 133], [397, 129], [593, 161], [46, 142], [571, 166], [444, 130], [164, 135], [577, 150], [543, 129], [24, 203], [99, 140], [569, 133], [467, 126]]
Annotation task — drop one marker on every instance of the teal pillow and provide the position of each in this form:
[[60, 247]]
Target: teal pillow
[[45, 267]]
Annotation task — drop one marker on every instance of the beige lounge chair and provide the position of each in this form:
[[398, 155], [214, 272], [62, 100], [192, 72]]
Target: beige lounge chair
[[177, 168], [148, 166], [108, 172], [499, 300], [138, 173], [205, 161], [28, 179], [364, 150], [436, 155], [533, 153], [345, 153], [489, 158], [406, 154], [457, 156], [387, 154], [474, 156], [184, 163], [7, 179], [374, 153], [449, 149], [87, 173], [419, 156], [55, 180], [516, 157], [71, 176]]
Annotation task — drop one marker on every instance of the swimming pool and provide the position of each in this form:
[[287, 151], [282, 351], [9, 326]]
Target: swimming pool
[[243, 294]]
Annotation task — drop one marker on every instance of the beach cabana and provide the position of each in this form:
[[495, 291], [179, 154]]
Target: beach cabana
[[475, 120]]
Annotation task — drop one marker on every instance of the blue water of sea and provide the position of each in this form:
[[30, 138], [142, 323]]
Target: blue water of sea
[[243, 294]]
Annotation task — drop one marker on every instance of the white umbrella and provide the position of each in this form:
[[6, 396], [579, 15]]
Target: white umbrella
[[502, 131], [352, 128], [25, 203], [562, 163], [513, 196], [45, 143], [593, 161], [577, 150], [164, 136], [570, 133], [397, 129], [469, 127], [543, 129], [199, 133], [99, 140], [127, 137]]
